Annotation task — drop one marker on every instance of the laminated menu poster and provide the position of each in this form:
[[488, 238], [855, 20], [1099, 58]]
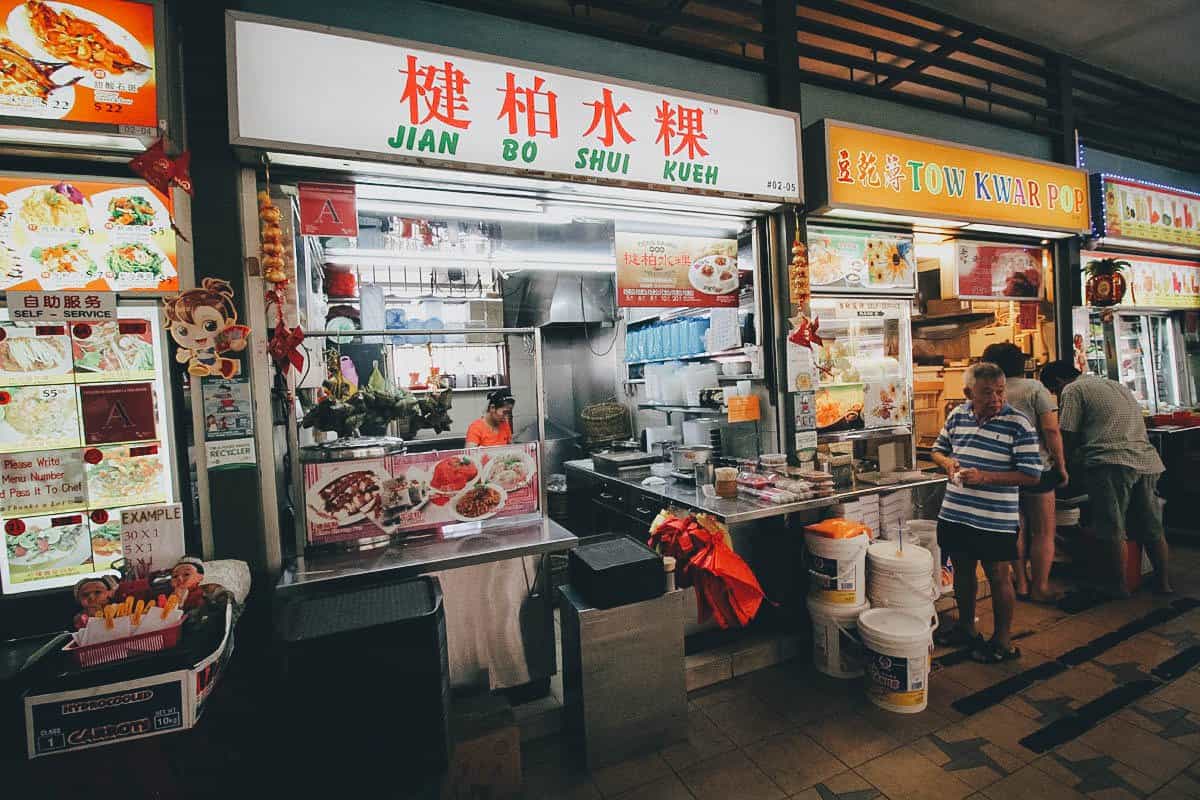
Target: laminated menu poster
[[861, 261], [992, 271], [676, 271], [88, 61], [59, 234], [419, 491]]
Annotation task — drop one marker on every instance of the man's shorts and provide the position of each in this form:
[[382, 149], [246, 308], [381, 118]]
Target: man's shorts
[[1123, 501], [1047, 483], [956, 539]]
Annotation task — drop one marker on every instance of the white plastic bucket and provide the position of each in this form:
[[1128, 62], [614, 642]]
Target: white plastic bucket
[[924, 533], [896, 648], [900, 575], [837, 650], [837, 569]]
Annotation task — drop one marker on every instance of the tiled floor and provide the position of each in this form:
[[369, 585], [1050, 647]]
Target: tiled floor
[[789, 732]]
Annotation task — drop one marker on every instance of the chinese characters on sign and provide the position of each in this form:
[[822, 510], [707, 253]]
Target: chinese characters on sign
[[676, 271], [61, 306], [464, 109], [881, 171], [1133, 210]]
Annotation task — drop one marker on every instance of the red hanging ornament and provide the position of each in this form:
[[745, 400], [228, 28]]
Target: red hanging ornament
[[161, 171], [805, 333], [284, 347]]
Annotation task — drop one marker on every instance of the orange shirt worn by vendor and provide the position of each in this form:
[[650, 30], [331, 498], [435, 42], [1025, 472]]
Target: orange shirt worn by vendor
[[495, 426]]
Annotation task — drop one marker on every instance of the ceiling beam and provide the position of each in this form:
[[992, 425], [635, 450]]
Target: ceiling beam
[[585, 25], [936, 56], [838, 8]]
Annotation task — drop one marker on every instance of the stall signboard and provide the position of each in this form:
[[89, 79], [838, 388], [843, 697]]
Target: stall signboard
[[86, 64], [1156, 282], [1132, 209], [662, 271], [64, 234], [328, 209], [429, 105], [866, 170], [998, 271], [861, 261], [419, 491], [82, 437]]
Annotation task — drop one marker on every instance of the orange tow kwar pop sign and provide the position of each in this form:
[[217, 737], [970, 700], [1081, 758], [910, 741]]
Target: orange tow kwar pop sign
[[873, 170]]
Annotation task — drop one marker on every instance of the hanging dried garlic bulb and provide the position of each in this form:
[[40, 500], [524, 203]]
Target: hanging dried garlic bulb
[[270, 235]]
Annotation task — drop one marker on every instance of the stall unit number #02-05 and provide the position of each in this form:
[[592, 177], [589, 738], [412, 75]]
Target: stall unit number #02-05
[[438, 94]]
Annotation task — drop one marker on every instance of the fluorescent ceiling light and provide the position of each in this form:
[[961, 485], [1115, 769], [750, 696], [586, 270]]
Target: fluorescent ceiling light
[[400, 209], [73, 139], [508, 262], [400, 194], [924, 237], [1035, 233], [1138, 244], [932, 222]]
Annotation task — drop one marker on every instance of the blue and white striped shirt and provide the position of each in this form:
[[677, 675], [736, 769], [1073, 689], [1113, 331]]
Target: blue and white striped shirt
[[1007, 442]]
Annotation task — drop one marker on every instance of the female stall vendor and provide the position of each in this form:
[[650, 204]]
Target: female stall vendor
[[495, 426]]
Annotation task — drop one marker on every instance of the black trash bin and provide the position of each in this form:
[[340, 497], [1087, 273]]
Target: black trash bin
[[366, 678]]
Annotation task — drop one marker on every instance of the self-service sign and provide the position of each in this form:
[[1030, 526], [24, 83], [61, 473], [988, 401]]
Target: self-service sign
[[61, 306]]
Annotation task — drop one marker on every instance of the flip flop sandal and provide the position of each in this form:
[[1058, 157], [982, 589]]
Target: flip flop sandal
[[955, 637], [991, 653]]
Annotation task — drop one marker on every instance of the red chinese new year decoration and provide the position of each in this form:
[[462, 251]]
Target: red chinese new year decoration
[[284, 347], [161, 171], [726, 589], [805, 333]]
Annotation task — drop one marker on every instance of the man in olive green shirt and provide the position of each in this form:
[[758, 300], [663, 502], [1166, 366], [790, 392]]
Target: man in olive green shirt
[[1104, 433]]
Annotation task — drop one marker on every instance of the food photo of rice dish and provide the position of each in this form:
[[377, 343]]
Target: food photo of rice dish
[[33, 417]]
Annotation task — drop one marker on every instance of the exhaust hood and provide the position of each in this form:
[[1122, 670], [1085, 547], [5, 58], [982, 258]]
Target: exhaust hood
[[537, 298]]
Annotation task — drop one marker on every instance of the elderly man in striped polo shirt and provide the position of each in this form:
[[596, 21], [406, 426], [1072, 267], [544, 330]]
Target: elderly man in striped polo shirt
[[989, 449]]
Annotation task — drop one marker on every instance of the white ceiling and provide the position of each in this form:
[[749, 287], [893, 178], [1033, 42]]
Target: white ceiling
[[1154, 41]]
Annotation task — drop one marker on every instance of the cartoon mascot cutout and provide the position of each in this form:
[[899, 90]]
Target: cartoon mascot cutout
[[203, 323]]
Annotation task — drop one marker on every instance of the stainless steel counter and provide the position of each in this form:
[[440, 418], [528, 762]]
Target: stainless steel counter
[[743, 509], [487, 544]]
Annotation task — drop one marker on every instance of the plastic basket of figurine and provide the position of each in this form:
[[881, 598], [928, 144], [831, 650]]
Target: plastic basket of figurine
[[124, 632]]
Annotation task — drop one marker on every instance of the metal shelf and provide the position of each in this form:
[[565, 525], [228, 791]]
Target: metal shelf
[[737, 351], [866, 433], [681, 409]]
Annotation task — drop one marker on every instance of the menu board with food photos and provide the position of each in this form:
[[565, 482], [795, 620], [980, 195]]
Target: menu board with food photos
[[419, 492], [845, 260], [83, 434], [88, 63], [99, 235]]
